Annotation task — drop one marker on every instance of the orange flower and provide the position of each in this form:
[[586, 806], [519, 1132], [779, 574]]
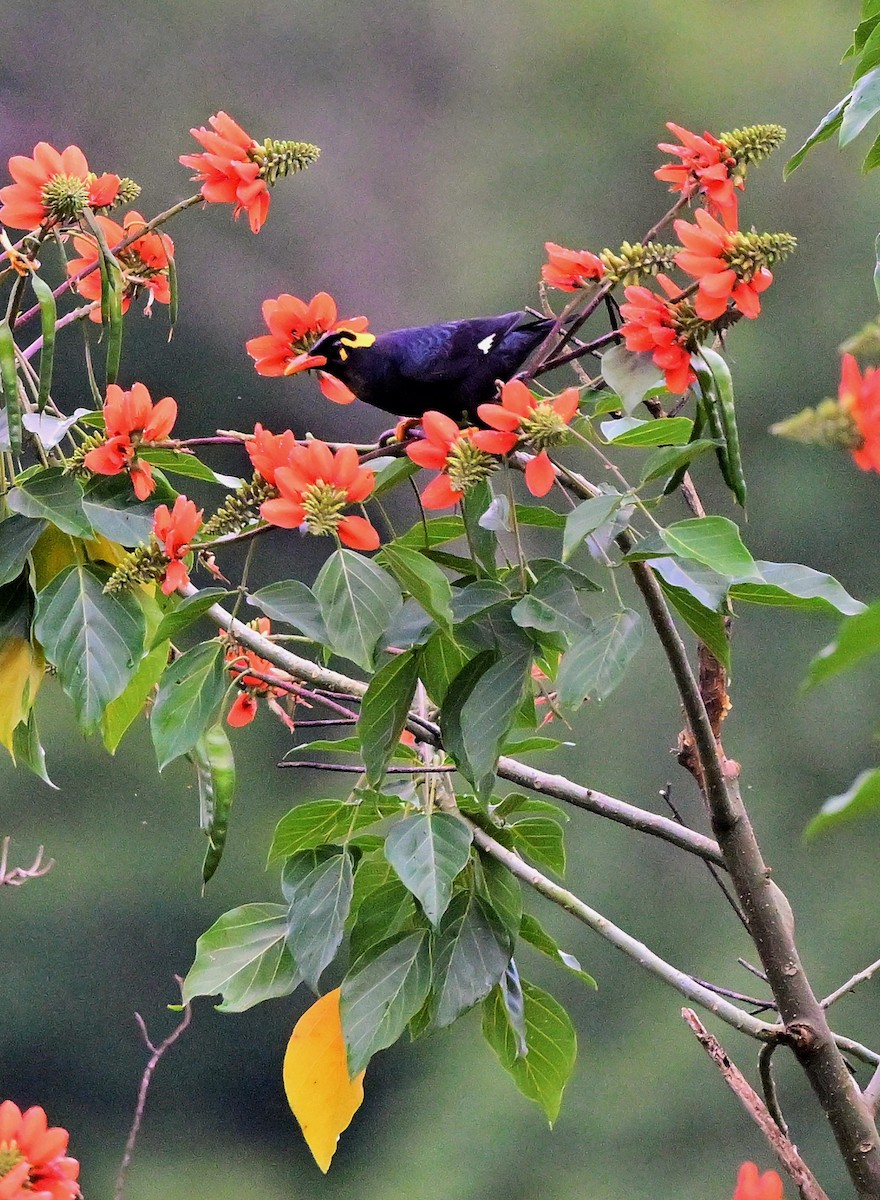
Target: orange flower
[[174, 530], [314, 489], [52, 187], [33, 1164], [706, 166], [131, 420], [268, 451], [540, 421], [860, 397], [294, 327], [454, 452], [570, 270], [238, 659], [655, 325], [230, 172], [145, 263], [708, 254], [752, 1186]]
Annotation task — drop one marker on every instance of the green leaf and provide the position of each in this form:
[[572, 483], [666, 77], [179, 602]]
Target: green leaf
[[713, 541], [479, 710], [541, 840], [543, 1072], [706, 586], [503, 893], [586, 519], [858, 638], [394, 472], [423, 580], [320, 821], [357, 599], [553, 606], [93, 640], [215, 771], [860, 800], [9, 390], [706, 623], [17, 537], [48, 314], [481, 541], [380, 995], [533, 932], [244, 958], [186, 612], [184, 462], [631, 375], [516, 802], [384, 912], [428, 852], [190, 694], [411, 626], [292, 603], [627, 431], [826, 129], [792, 585], [442, 660], [476, 597], [863, 106], [111, 508], [435, 532], [470, 955], [669, 459], [384, 710], [538, 515], [319, 905], [52, 496], [28, 749], [597, 663], [121, 713]]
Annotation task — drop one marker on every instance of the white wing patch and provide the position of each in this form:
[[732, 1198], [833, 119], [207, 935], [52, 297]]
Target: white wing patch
[[486, 344]]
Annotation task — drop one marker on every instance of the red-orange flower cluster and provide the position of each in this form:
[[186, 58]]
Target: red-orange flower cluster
[[569, 270], [706, 257], [706, 165], [653, 325], [131, 420], [294, 327], [174, 531], [750, 1185], [33, 1160], [52, 186], [238, 660], [860, 397], [228, 169], [315, 486], [455, 453], [540, 421], [145, 262], [269, 451]]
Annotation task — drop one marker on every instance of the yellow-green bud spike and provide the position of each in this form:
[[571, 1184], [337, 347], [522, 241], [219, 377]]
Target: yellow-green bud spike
[[628, 264], [279, 158], [753, 143], [240, 509], [828, 424]]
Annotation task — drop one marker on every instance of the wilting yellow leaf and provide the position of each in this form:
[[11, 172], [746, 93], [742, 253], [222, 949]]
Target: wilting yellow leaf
[[319, 1091], [21, 672], [53, 552], [101, 549]]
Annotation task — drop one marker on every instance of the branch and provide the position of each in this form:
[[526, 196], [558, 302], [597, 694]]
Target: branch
[[782, 1147], [851, 984], [146, 1078]]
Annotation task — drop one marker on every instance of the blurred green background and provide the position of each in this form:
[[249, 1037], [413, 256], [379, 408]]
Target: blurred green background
[[456, 139]]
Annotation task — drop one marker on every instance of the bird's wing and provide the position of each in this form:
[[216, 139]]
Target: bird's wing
[[446, 353]]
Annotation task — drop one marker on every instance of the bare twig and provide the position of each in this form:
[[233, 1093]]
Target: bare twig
[[146, 1078], [359, 768], [16, 876], [785, 1151], [851, 984], [768, 1083]]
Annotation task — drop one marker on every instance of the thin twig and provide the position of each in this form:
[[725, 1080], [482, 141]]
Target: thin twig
[[19, 875], [785, 1151], [768, 1083], [851, 984], [753, 1001], [360, 768], [155, 1056], [666, 793]]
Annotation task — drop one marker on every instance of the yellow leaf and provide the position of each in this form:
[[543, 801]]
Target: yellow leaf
[[104, 551], [21, 672], [321, 1095], [53, 552]]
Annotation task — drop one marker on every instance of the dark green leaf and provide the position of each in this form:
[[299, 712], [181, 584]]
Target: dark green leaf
[[860, 800], [384, 912], [470, 955], [121, 712], [112, 508], [434, 532], [186, 612], [391, 473], [476, 597], [628, 431], [93, 640], [597, 663], [552, 1046], [586, 519], [292, 603], [533, 932], [384, 710], [190, 694], [794, 586], [319, 907], [320, 821], [858, 638], [553, 606], [481, 541], [410, 627], [423, 580], [536, 514], [182, 462], [706, 623], [380, 995], [442, 660], [669, 459], [17, 537], [357, 600], [504, 895], [244, 957], [215, 771], [713, 541], [516, 802], [826, 128], [28, 749], [428, 852], [541, 840], [52, 496]]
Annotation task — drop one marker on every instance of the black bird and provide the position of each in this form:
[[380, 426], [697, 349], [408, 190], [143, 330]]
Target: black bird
[[450, 368]]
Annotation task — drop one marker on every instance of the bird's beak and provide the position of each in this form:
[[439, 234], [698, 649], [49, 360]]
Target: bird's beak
[[305, 362]]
